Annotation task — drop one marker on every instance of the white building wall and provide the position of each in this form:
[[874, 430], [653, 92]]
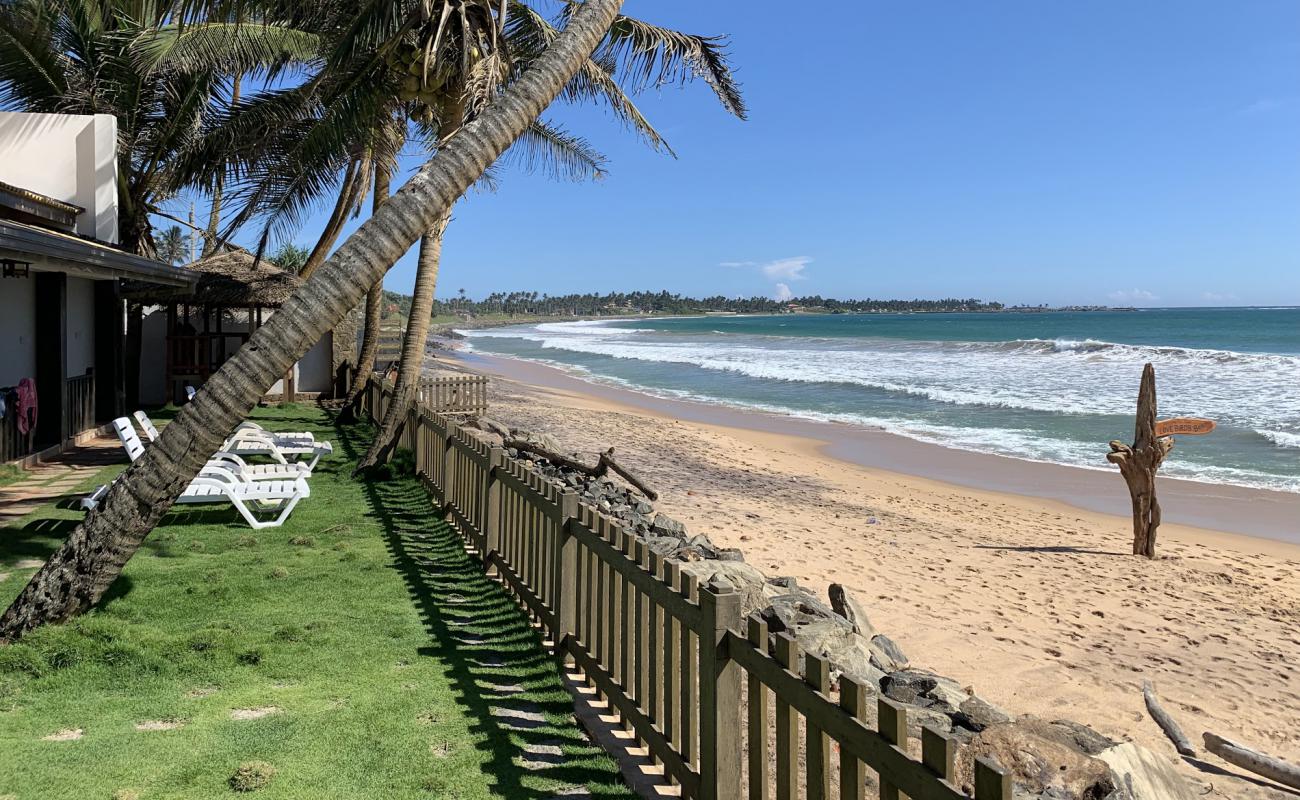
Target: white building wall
[[314, 368], [81, 326], [17, 330], [67, 157]]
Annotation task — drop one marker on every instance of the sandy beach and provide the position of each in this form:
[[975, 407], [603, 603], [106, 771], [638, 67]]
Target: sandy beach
[[1031, 597]]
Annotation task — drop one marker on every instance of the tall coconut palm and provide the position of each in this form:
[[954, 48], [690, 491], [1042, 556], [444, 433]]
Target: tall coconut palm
[[93, 555], [172, 245], [132, 59], [633, 51]]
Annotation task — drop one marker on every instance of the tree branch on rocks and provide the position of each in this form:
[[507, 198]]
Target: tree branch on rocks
[[599, 470], [1166, 722]]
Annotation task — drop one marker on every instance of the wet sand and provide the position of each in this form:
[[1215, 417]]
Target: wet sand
[[1009, 577]]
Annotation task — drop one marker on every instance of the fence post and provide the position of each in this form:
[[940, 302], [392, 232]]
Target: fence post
[[719, 697], [448, 462], [565, 581], [492, 504]]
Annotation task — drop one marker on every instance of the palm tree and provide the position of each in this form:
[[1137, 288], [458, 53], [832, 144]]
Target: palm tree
[[630, 49], [92, 557], [136, 61], [172, 245]]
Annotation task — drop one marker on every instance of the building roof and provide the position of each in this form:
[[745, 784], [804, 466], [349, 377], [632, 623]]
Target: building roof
[[40, 208], [233, 279], [55, 251]]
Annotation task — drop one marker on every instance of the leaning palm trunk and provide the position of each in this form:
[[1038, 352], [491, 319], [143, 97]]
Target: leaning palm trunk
[[417, 331], [93, 556], [352, 183], [374, 307]]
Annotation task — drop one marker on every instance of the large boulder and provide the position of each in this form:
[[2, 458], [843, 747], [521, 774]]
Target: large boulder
[[848, 653], [799, 607], [665, 525], [1039, 767], [741, 576], [847, 606], [1145, 775], [920, 688], [975, 714], [887, 655]]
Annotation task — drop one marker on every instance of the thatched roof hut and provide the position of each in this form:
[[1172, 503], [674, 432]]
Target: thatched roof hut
[[233, 279]]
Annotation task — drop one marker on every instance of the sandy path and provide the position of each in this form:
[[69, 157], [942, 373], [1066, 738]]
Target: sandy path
[[1034, 603]]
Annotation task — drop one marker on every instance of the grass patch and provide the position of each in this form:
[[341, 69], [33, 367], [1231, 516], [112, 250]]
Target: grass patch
[[360, 666], [10, 474]]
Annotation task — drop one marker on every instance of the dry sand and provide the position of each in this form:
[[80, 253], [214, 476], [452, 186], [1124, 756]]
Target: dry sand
[[1035, 603]]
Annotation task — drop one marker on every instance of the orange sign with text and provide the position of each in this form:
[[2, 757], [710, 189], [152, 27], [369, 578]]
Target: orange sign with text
[[1184, 426]]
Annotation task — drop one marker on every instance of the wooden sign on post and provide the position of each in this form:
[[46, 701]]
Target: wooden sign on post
[[1138, 463], [1184, 426]]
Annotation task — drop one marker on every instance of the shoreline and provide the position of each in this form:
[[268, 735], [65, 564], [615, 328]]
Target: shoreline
[[1218, 509]]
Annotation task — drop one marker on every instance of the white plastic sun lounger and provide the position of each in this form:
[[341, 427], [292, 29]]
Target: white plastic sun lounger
[[254, 441], [228, 462], [248, 498]]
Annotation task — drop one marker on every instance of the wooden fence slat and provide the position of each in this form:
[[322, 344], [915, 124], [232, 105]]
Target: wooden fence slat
[[853, 699], [817, 674], [787, 726], [689, 689], [672, 666], [991, 783], [892, 721], [756, 630], [719, 696]]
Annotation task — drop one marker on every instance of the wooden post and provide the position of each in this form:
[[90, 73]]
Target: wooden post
[[817, 674], [1138, 464], [719, 697], [566, 572], [853, 699], [787, 725], [892, 720], [991, 783], [492, 497], [756, 630]]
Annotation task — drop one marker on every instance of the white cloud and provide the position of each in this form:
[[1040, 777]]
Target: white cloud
[[1133, 296], [781, 271], [1217, 297], [790, 269]]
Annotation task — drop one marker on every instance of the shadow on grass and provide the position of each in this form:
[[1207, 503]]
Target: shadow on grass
[[493, 658]]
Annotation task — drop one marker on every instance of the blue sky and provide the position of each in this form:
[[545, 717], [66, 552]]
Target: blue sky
[[1100, 152]]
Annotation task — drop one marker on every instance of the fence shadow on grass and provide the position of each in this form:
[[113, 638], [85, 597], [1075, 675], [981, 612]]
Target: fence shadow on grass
[[501, 674]]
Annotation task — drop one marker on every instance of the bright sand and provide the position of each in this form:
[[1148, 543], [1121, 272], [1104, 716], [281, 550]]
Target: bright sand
[[1034, 602]]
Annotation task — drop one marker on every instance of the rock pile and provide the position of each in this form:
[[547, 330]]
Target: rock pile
[[1049, 760]]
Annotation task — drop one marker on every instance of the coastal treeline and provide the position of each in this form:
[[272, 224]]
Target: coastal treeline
[[622, 303]]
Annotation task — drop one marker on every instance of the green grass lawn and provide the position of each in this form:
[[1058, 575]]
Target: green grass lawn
[[369, 643]]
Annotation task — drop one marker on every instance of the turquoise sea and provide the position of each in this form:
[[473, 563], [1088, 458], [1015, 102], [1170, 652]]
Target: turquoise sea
[[1054, 386]]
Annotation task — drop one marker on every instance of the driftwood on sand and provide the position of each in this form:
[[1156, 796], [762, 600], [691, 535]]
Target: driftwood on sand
[[603, 466], [1166, 722], [1269, 767], [1138, 463]]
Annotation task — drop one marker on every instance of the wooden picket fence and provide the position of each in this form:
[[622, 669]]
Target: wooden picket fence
[[675, 660], [455, 394]]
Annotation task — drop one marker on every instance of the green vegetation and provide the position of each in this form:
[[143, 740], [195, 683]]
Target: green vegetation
[[316, 660], [516, 304], [10, 474]]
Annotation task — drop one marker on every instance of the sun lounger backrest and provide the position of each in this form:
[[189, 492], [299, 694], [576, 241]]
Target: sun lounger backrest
[[130, 439], [146, 425]]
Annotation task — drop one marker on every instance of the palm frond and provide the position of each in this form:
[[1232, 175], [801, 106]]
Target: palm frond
[[227, 47], [550, 149]]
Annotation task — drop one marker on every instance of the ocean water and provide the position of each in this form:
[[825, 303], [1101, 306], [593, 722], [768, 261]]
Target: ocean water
[[1053, 387]]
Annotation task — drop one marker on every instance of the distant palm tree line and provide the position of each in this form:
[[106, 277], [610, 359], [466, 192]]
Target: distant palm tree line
[[622, 303]]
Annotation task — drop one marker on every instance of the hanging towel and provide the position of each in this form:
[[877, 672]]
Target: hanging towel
[[26, 405]]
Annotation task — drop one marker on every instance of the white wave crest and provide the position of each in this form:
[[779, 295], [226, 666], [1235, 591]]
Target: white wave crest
[[1280, 438]]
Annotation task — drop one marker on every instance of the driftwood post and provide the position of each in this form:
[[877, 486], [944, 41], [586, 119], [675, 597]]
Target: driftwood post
[[1138, 464]]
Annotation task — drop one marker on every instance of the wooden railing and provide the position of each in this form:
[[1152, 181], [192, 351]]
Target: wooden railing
[[79, 413], [671, 657], [14, 445], [455, 394]]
